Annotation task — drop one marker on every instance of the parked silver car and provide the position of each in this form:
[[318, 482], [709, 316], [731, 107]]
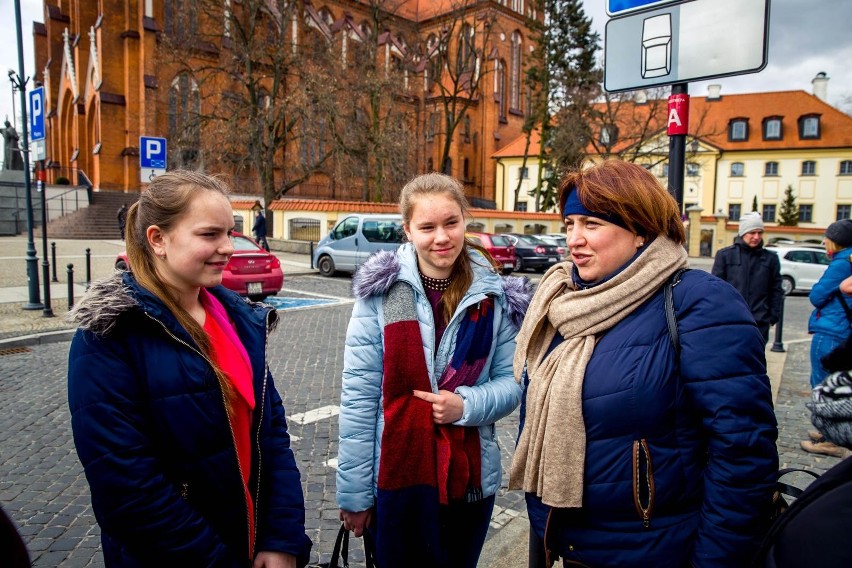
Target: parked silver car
[[801, 266]]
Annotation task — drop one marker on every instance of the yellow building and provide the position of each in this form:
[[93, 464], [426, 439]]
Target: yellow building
[[740, 147]]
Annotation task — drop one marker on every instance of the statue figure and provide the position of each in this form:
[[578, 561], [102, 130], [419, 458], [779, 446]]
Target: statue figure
[[13, 159]]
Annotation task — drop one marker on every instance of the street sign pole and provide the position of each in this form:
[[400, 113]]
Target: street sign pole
[[34, 302], [678, 127]]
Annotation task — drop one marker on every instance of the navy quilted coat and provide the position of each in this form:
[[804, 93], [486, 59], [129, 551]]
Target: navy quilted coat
[[680, 460], [151, 430]]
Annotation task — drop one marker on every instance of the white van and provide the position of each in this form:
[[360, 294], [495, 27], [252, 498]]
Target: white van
[[354, 239]]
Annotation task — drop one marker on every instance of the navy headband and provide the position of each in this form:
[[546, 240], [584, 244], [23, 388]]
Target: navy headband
[[573, 206]]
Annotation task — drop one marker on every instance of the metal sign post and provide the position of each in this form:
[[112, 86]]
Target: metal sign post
[[678, 126]]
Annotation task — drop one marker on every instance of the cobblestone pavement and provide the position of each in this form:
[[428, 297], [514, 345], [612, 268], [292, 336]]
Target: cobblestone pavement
[[43, 488]]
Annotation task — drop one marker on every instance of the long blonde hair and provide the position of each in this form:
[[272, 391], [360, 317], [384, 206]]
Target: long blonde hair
[[164, 204], [462, 273]]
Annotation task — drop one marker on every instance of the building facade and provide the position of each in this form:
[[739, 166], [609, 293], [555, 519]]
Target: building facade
[[115, 70], [742, 149]]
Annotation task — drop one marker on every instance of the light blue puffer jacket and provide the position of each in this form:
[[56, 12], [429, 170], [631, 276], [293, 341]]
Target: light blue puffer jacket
[[495, 394]]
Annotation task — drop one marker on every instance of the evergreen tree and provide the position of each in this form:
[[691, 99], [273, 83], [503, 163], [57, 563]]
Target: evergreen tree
[[564, 79], [754, 204], [789, 215]]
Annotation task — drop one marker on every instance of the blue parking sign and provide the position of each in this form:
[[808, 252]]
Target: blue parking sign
[[152, 153], [37, 114]]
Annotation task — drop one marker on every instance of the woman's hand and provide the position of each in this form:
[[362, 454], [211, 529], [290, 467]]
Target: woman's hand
[[447, 407], [356, 522], [274, 560], [846, 286]]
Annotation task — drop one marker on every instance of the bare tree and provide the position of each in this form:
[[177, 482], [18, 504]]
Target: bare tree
[[248, 93]]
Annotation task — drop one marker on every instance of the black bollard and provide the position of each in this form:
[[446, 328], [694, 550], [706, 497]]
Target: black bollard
[[311, 252], [88, 267], [70, 274], [778, 345], [53, 258]]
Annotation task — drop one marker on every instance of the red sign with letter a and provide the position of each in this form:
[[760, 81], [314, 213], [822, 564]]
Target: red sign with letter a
[[678, 114]]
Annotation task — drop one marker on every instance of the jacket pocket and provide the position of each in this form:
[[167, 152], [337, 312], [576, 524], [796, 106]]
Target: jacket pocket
[[643, 481]]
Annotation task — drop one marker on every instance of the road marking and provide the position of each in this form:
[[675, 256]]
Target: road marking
[[294, 291], [315, 415]]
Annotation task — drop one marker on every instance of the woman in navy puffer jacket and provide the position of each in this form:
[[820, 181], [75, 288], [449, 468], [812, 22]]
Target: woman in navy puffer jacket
[[175, 416], [631, 455]]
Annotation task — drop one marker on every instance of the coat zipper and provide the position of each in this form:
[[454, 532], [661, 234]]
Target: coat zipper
[[230, 427], [257, 432], [643, 480]]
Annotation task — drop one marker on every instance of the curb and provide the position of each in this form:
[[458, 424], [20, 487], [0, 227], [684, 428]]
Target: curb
[[43, 338]]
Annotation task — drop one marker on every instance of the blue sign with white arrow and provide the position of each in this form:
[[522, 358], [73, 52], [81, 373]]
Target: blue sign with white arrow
[[37, 114], [618, 7]]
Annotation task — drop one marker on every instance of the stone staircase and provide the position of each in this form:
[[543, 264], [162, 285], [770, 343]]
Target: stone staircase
[[97, 221]]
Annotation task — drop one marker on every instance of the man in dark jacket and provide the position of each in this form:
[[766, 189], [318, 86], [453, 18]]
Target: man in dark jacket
[[259, 230], [754, 271]]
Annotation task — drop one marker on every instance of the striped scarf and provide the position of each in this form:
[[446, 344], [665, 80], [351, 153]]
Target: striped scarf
[[422, 464]]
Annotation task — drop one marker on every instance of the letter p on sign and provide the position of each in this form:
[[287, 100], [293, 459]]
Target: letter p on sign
[[678, 122]]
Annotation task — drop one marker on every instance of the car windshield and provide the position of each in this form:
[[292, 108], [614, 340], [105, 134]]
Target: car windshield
[[530, 240], [500, 241], [242, 243]]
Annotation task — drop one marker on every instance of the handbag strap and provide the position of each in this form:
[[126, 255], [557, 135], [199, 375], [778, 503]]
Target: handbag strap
[[671, 316], [786, 488], [341, 550]]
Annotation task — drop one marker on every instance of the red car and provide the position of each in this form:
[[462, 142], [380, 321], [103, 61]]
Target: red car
[[251, 272], [499, 247]]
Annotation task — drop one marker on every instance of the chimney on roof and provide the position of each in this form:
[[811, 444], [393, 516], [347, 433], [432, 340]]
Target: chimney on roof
[[714, 92], [641, 97], [820, 83]]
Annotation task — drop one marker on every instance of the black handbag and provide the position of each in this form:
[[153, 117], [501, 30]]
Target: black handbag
[[341, 551]]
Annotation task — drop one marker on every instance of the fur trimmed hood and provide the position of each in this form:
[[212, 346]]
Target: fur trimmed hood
[[376, 276], [102, 304]]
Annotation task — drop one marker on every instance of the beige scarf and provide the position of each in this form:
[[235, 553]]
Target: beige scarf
[[551, 452]]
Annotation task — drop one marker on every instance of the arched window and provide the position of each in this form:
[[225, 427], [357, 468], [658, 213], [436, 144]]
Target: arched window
[[181, 18], [467, 51], [500, 87], [184, 122], [517, 45]]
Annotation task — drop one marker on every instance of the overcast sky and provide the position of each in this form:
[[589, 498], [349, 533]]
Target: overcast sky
[[805, 37]]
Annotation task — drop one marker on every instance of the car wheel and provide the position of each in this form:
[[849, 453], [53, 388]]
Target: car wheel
[[507, 271], [326, 266], [121, 265], [520, 266], [788, 285], [257, 298]]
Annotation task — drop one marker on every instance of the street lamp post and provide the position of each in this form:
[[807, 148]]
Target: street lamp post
[[20, 82]]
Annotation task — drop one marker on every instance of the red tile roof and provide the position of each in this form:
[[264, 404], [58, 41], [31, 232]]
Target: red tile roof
[[331, 206]]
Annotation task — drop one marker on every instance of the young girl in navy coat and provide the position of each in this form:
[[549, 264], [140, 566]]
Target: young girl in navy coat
[[175, 416]]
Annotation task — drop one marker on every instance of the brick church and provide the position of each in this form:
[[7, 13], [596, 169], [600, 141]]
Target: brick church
[[115, 70]]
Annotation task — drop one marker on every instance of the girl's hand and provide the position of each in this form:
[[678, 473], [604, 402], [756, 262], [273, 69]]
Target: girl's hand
[[356, 522], [846, 286], [447, 407], [274, 560]]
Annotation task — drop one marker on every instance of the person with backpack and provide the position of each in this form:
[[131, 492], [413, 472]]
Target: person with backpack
[[830, 320], [640, 444]]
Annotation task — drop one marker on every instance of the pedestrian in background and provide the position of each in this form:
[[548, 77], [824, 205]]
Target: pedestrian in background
[[259, 230], [175, 416], [754, 271], [122, 219], [830, 321], [634, 452], [427, 373]]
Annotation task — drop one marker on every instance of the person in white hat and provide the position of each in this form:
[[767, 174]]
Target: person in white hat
[[753, 271]]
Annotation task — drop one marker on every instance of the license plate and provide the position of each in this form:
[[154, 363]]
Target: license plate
[[551, 259], [255, 287], [508, 265]]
